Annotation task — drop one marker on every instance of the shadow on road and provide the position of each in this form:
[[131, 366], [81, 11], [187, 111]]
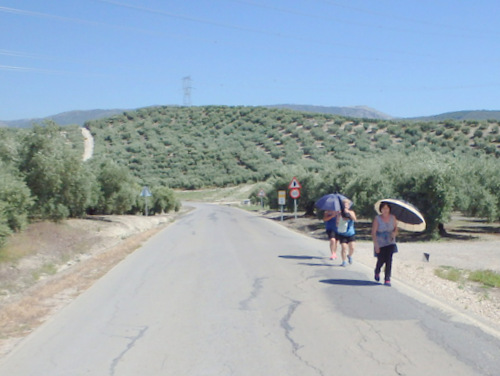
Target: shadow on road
[[350, 282], [293, 257]]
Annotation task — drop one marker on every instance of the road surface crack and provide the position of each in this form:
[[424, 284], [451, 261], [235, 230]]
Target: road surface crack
[[256, 288], [130, 345], [288, 328]]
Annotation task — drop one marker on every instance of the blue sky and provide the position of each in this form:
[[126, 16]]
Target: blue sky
[[402, 57]]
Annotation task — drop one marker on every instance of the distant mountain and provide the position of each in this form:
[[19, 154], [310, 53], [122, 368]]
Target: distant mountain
[[355, 111], [462, 115], [64, 118], [364, 112]]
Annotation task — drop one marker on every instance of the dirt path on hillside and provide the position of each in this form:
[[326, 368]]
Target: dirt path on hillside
[[88, 144]]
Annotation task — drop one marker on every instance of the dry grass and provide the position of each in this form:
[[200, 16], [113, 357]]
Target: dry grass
[[23, 315], [50, 264]]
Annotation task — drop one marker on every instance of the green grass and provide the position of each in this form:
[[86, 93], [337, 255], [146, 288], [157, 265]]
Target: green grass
[[449, 273], [487, 278], [238, 193]]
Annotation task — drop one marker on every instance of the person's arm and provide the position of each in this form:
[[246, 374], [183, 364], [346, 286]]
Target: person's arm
[[352, 214], [395, 232], [374, 235], [329, 215]]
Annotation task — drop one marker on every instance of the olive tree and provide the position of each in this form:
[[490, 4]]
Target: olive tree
[[164, 200], [118, 189], [54, 173]]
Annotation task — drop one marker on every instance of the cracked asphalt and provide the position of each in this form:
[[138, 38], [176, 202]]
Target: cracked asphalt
[[225, 292]]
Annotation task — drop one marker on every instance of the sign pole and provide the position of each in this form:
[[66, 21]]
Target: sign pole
[[282, 201], [294, 188], [146, 193]]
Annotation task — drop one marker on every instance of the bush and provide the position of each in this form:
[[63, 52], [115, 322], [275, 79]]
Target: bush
[[5, 230], [164, 201], [118, 190], [16, 200]]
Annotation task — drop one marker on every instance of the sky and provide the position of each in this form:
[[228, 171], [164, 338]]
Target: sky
[[404, 58]]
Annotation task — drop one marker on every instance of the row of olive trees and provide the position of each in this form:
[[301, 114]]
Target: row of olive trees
[[434, 183], [42, 176]]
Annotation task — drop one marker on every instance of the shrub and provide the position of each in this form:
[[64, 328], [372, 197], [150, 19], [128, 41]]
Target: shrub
[[164, 200]]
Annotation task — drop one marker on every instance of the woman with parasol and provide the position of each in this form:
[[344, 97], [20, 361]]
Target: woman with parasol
[[384, 232]]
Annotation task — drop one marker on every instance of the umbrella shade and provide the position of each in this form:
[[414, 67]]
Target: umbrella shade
[[408, 216], [331, 201]]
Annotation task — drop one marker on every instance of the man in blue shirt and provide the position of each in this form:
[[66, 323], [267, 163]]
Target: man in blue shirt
[[330, 219]]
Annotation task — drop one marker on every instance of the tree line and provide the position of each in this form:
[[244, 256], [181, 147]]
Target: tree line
[[436, 184], [43, 177], [437, 166]]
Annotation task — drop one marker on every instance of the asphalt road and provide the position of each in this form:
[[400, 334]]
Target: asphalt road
[[225, 292]]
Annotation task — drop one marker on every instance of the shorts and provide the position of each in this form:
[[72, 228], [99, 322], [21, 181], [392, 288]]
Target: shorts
[[331, 234], [345, 239]]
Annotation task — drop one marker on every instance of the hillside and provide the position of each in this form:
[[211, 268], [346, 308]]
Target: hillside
[[362, 112], [193, 147], [79, 117], [462, 115], [64, 118]]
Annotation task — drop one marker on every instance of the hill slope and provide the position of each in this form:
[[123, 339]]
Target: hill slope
[[64, 118], [462, 115], [193, 147], [362, 112]]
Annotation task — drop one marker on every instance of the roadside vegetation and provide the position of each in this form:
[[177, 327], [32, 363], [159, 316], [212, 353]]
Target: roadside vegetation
[[440, 166], [486, 278], [43, 177]]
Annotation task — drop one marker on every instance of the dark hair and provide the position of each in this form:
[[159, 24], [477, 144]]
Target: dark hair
[[382, 204]]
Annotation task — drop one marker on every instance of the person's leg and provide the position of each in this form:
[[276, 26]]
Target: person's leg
[[343, 247], [333, 248], [351, 251], [388, 265], [378, 266]]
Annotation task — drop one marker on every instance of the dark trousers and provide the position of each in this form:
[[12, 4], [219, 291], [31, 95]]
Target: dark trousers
[[385, 257]]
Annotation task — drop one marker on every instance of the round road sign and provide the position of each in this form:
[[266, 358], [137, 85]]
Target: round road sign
[[294, 193]]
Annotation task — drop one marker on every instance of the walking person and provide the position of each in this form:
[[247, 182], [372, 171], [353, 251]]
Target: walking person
[[330, 219], [346, 234], [384, 232]]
